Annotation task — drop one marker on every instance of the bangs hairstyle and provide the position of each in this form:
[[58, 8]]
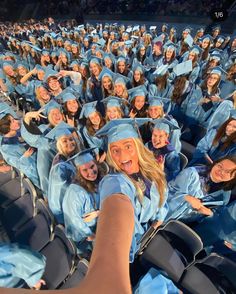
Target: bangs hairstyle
[[119, 111], [149, 168], [227, 186], [90, 186]]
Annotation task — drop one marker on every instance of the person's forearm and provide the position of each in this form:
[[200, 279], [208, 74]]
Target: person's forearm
[[26, 77], [110, 259]]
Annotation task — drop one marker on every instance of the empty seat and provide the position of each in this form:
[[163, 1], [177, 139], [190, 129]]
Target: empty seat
[[38, 231], [183, 160], [187, 149], [10, 191], [6, 177], [61, 257], [214, 274], [172, 249]]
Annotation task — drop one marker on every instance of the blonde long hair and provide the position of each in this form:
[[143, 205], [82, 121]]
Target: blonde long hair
[[149, 168]]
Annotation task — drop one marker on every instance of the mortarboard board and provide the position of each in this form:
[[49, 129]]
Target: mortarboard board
[[183, 68], [165, 125], [206, 37], [6, 109], [113, 101], [137, 91], [88, 109], [21, 64], [196, 49], [62, 129], [82, 157], [152, 28], [161, 70], [220, 39], [157, 101], [106, 72], [120, 79], [218, 71], [169, 46], [52, 104], [129, 30], [67, 96], [49, 72], [120, 129], [189, 40]]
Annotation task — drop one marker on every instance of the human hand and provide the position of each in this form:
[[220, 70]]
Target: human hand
[[194, 202], [38, 285], [132, 114], [227, 244], [33, 114], [88, 217], [70, 121], [206, 211], [28, 152], [157, 224], [215, 99], [91, 238], [102, 157], [5, 168]]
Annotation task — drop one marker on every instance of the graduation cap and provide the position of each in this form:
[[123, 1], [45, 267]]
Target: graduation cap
[[35, 48], [62, 129], [96, 60], [49, 72], [161, 70], [187, 30], [120, 129], [66, 95], [129, 30], [52, 104], [218, 71], [129, 43], [8, 63], [152, 28], [120, 79], [138, 67], [165, 125], [73, 63], [206, 37], [6, 109], [137, 91], [106, 72], [215, 56], [196, 49], [169, 46], [135, 28], [21, 64], [220, 39], [157, 101], [88, 109], [45, 52], [113, 101], [101, 42], [82, 157], [216, 28], [189, 40], [121, 58], [183, 68], [201, 29]]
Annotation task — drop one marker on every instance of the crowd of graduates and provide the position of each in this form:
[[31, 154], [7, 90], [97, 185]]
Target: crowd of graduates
[[109, 109]]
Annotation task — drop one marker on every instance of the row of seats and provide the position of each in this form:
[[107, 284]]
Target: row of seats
[[28, 221]]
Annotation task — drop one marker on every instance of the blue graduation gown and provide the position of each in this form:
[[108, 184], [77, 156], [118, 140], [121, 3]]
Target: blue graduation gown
[[204, 147], [76, 203], [145, 213], [189, 182], [60, 177], [155, 282], [93, 141], [19, 265]]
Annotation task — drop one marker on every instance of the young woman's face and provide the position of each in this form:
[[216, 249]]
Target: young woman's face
[[142, 51], [137, 75], [125, 155], [108, 62], [94, 68], [74, 49], [119, 89], [72, 106], [9, 70], [68, 144], [191, 56], [55, 116], [212, 80], [121, 66], [53, 84], [113, 113], [43, 93], [139, 102], [169, 54], [230, 128], [22, 71], [205, 43], [75, 68], [14, 124], [95, 118], [159, 138], [106, 82], [223, 171], [63, 58], [89, 171], [213, 63], [155, 111], [40, 75]]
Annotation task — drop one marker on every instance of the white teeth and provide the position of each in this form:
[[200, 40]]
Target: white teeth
[[125, 161]]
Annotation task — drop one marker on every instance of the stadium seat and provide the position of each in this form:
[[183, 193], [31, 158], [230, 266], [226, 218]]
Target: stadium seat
[[187, 149], [38, 231], [214, 274], [61, 255], [172, 249], [6, 177], [9, 192], [183, 160], [77, 276]]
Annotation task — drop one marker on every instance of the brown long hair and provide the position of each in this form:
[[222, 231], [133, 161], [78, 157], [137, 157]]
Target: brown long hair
[[89, 186], [205, 53], [89, 124], [231, 72], [178, 88], [161, 81], [221, 133], [141, 81], [5, 124]]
